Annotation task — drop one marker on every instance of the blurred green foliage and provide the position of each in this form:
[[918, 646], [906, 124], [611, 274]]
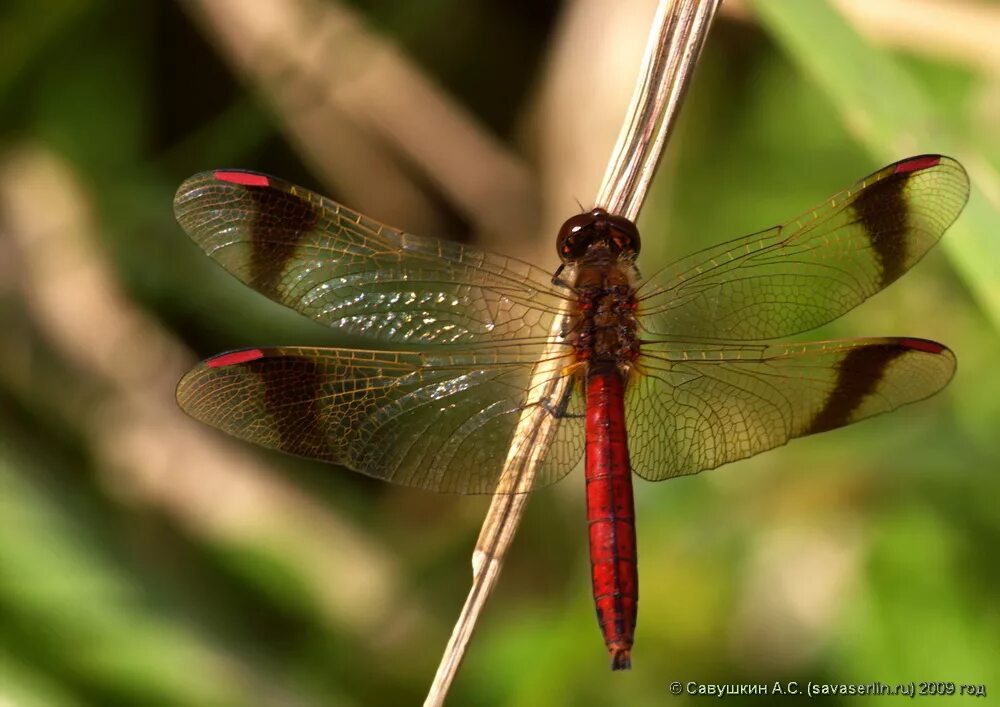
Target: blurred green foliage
[[110, 598]]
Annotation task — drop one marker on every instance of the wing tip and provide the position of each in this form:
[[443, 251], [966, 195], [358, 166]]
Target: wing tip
[[242, 177], [924, 345], [916, 164], [940, 353], [191, 187], [231, 358]]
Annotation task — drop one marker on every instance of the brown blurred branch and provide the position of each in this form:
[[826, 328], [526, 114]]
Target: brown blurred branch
[[365, 119]]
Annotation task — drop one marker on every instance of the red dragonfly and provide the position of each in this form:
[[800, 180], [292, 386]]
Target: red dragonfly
[[662, 376]]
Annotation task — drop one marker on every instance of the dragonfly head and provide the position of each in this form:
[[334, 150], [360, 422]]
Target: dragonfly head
[[597, 233]]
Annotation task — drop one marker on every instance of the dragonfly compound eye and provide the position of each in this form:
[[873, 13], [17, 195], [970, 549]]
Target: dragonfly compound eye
[[580, 232], [624, 234], [575, 235]]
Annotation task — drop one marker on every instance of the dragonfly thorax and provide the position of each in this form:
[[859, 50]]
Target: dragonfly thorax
[[605, 325]]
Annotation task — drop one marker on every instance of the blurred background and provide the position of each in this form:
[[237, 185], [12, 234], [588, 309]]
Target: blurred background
[[146, 560]]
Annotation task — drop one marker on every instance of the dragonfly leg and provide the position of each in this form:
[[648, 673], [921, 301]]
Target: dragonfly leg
[[559, 410], [558, 281]]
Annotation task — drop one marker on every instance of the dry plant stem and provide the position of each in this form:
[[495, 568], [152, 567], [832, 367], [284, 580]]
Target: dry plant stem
[[678, 35], [675, 42], [532, 436]]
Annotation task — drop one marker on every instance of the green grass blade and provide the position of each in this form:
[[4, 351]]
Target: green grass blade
[[892, 116]]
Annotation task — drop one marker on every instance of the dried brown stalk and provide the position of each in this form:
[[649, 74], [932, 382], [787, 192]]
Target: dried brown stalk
[[675, 43]]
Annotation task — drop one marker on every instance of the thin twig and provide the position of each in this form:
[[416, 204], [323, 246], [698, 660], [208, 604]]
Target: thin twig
[[532, 436], [675, 42]]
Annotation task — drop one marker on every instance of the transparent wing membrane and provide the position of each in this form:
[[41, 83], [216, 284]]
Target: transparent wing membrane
[[696, 407], [809, 271], [442, 422], [700, 394], [347, 271]]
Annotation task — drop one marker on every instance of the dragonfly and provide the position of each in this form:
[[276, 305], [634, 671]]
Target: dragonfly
[[660, 376]]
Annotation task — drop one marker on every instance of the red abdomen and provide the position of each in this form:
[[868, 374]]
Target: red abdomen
[[611, 513]]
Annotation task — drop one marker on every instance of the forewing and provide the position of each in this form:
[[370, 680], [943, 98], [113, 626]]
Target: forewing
[[690, 408], [809, 271], [346, 271], [442, 422]]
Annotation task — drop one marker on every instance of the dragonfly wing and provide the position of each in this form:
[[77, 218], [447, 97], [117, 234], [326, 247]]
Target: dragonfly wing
[[809, 271], [691, 408], [346, 271], [442, 422]]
